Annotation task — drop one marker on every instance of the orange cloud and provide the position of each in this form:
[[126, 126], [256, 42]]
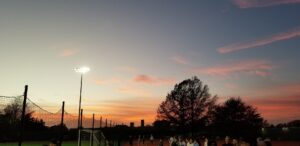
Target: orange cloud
[[68, 52], [257, 67], [152, 80], [180, 60], [262, 3], [261, 42]]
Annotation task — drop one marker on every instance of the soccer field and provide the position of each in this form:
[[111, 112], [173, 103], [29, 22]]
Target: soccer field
[[46, 143]]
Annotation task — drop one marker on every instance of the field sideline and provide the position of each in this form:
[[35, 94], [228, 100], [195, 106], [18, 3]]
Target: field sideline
[[41, 143]]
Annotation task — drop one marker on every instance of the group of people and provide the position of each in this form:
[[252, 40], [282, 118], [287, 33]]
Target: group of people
[[180, 141]]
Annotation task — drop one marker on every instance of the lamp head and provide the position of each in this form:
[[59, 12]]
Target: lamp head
[[82, 70]]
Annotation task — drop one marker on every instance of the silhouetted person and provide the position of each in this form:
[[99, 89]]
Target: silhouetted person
[[143, 139], [151, 138], [190, 142], [181, 141], [174, 142], [268, 142], [212, 142], [227, 142], [196, 143], [161, 143], [205, 143], [235, 142], [260, 142], [130, 140]]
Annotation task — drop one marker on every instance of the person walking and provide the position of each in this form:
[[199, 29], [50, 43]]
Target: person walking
[[151, 138]]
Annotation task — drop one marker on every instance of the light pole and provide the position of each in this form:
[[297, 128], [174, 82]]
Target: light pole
[[81, 70]]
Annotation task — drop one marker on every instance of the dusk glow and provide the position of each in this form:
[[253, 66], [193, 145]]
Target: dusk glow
[[136, 51]]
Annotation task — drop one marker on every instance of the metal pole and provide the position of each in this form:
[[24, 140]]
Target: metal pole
[[92, 132], [80, 127], [101, 122], [79, 141], [62, 123], [100, 129], [23, 116]]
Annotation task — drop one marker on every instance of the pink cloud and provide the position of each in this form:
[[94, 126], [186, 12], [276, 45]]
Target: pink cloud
[[262, 3], [152, 80], [180, 60], [261, 42], [257, 67], [68, 52]]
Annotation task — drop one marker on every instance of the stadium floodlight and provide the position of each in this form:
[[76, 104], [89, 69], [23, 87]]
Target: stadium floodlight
[[81, 70]]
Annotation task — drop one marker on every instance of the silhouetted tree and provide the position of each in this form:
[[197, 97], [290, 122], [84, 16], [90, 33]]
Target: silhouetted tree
[[294, 123], [12, 112], [236, 118], [161, 124], [186, 104], [10, 122]]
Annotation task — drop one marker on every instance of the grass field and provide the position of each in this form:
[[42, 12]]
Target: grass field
[[166, 143], [42, 143]]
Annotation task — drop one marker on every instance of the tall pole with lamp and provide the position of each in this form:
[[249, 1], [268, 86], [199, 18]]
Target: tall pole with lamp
[[81, 70]]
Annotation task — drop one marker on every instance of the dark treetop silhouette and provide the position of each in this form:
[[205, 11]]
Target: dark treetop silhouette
[[187, 104]]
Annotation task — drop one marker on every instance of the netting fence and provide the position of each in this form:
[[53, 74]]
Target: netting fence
[[42, 124]]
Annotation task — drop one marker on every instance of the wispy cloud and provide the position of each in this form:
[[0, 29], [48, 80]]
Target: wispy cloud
[[152, 80], [68, 52], [262, 3], [257, 67], [261, 42], [180, 60]]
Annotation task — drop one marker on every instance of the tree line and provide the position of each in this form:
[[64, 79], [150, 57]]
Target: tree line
[[190, 109]]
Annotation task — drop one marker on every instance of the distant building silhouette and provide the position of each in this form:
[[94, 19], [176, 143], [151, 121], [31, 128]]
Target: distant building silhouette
[[142, 123], [131, 124]]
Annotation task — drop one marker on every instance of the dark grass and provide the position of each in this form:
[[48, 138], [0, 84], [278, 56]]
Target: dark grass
[[42, 143]]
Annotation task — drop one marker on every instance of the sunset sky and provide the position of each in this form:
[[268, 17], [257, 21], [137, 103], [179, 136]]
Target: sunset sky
[[138, 50]]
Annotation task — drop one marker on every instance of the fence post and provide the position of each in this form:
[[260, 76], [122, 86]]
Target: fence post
[[92, 132], [23, 116], [62, 123], [100, 122]]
